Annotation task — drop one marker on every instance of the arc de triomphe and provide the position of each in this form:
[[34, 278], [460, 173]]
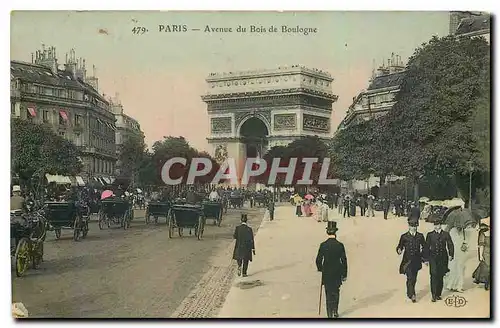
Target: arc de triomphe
[[252, 111]]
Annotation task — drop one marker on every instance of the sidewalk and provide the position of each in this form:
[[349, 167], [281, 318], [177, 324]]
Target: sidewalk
[[283, 281]]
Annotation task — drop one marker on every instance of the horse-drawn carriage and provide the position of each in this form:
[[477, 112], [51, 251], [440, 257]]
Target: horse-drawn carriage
[[236, 201], [186, 217], [260, 200], [27, 234], [157, 209], [67, 215], [115, 211], [213, 210]]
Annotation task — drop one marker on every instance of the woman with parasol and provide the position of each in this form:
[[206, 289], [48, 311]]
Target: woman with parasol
[[482, 272], [459, 223]]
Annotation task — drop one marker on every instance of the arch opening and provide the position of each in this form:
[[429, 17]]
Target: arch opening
[[253, 134]]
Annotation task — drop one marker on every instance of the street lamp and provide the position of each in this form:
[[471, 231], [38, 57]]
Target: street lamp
[[471, 168]]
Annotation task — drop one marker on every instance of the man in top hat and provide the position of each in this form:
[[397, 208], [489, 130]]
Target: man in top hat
[[413, 245], [244, 246], [440, 251], [331, 261]]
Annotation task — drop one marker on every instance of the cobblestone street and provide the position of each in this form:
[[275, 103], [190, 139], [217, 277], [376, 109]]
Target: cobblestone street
[[138, 272]]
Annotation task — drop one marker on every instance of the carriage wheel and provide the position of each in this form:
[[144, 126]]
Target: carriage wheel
[[108, 222], [200, 227], [76, 229], [85, 230], [219, 221], [37, 254], [58, 233], [170, 228], [125, 221], [22, 256], [101, 219]]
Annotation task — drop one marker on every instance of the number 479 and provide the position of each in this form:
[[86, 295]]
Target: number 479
[[139, 30]]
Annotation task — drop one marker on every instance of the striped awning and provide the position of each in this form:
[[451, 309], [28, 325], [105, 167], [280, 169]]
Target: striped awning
[[79, 181], [58, 179]]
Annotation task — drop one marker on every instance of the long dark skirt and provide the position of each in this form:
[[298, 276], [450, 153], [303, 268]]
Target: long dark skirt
[[482, 273], [298, 212]]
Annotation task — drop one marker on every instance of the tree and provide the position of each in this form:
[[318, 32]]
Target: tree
[[429, 131], [430, 124], [36, 150], [131, 155], [306, 147]]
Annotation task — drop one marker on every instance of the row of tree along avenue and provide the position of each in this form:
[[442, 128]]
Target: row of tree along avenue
[[438, 132]]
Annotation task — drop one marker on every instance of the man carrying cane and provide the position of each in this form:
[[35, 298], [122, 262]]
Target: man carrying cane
[[332, 263]]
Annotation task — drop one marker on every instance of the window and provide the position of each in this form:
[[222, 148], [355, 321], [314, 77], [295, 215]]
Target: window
[[78, 139], [78, 120], [45, 116], [13, 108], [62, 134]]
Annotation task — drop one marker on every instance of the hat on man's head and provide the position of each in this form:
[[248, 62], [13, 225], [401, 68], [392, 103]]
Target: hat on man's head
[[331, 227], [16, 188], [438, 221], [412, 222], [244, 217]]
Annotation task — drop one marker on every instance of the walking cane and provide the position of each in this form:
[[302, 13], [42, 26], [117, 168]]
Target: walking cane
[[320, 294]]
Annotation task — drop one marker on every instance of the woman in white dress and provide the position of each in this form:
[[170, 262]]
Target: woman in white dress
[[460, 237]]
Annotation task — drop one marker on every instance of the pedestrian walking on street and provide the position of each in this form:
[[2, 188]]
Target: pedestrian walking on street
[[413, 245], [369, 203], [270, 208], [347, 206], [362, 205], [385, 206], [340, 202], [331, 261], [440, 251], [244, 246]]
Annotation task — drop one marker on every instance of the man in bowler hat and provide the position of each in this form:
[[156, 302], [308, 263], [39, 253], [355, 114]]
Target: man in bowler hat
[[244, 246], [440, 251], [332, 263], [413, 245]]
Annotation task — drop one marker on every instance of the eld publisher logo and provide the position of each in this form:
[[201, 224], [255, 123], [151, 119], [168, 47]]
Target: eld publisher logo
[[455, 301]]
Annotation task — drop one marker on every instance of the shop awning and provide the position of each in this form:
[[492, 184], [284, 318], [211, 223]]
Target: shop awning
[[107, 180], [79, 181], [58, 179]]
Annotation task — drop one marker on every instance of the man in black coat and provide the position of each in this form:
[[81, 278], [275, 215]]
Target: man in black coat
[[385, 206], [244, 246], [440, 250], [413, 245], [331, 261]]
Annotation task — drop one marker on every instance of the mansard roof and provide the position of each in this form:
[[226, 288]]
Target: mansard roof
[[386, 81]]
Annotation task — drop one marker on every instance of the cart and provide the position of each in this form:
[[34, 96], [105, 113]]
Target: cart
[[66, 215], [213, 210], [157, 209], [27, 235], [260, 200], [115, 211], [236, 201], [186, 216]]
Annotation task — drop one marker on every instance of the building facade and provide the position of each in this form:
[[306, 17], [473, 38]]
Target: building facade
[[126, 126], [252, 111], [378, 99], [68, 101]]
